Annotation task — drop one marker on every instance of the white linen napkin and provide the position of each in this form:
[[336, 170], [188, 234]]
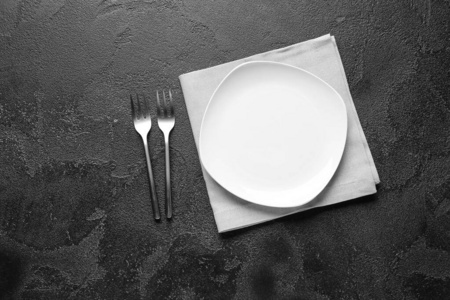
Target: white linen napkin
[[356, 175]]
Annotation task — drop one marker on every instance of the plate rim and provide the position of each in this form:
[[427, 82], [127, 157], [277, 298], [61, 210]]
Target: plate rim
[[339, 156]]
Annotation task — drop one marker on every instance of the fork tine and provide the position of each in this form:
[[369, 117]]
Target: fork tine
[[171, 110], [165, 104], [146, 112], [133, 113], [158, 106], [139, 112]]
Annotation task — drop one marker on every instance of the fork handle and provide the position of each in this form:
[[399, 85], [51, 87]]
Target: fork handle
[[168, 186], [154, 200]]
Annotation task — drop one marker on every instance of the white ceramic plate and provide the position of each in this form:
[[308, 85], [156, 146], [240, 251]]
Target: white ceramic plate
[[273, 134]]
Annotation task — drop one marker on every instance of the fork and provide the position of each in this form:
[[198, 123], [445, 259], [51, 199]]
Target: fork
[[166, 121], [143, 124]]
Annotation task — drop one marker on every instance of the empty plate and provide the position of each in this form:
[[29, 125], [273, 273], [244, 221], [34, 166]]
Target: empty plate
[[273, 134]]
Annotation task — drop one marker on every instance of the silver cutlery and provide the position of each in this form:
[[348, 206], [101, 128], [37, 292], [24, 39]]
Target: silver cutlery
[[166, 122], [143, 124]]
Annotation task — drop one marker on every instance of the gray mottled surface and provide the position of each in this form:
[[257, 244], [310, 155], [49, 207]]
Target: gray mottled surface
[[75, 219]]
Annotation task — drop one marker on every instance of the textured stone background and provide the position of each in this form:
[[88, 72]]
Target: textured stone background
[[75, 219]]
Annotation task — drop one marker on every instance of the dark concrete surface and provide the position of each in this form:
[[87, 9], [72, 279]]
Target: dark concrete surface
[[75, 216]]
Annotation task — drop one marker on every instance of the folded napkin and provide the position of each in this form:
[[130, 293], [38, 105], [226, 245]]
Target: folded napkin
[[356, 175]]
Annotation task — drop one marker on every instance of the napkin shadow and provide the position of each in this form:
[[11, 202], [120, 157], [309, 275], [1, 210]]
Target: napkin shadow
[[295, 214], [348, 204]]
